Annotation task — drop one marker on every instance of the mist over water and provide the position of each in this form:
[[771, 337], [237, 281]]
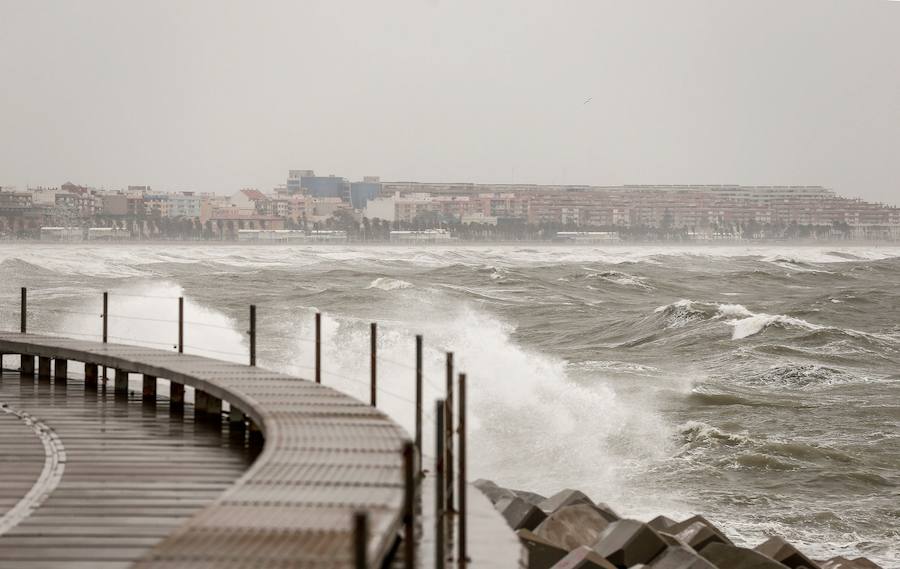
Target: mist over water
[[758, 386]]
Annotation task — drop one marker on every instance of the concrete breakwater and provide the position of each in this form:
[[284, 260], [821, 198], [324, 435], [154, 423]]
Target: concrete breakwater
[[568, 530]]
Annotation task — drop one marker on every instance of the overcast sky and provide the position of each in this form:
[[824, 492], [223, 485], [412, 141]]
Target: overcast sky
[[216, 95]]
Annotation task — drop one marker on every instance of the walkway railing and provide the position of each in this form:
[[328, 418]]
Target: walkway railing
[[284, 418]]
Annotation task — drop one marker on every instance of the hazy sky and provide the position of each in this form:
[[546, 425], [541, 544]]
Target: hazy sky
[[216, 95]]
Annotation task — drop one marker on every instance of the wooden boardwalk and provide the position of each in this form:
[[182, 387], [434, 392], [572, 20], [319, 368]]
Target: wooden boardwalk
[[326, 456]]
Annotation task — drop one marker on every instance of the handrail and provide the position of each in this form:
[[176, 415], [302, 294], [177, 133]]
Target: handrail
[[326, 456]]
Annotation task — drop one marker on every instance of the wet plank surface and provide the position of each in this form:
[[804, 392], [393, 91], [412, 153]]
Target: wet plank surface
[[128, 473], [326, 456]]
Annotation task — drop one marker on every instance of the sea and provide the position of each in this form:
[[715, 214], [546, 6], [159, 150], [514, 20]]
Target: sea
[[756, 385]]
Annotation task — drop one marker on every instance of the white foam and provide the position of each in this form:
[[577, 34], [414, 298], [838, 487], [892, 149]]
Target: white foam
[[386, 283], [756, 323]]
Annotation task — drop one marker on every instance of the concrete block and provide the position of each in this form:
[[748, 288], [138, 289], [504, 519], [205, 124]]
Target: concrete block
[[841, 562], [562, 498], [681, 526], [495, 493], [661, 523], [121, 385], [531, 497], [785, 553], [44, 368], [574, 526], [628, 542], [698, 535], [519, 514], [26, 366], [726, 556], [541, 553], [583, 558], [680, 557], [149, 388]]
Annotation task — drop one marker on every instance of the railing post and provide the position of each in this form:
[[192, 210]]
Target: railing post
[[252, 334], [318, 347], [180, 324], [105, 316], [419, 402], [361, 540], [24, 312], [440, 519], [409, 506], [373, 364], [448, 423], [461, 472]]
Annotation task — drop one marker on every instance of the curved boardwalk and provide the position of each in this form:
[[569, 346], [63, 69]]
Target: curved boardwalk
[[326, 455]]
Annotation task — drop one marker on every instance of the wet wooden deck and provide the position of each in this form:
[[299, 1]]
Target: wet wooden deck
[[326, 456]]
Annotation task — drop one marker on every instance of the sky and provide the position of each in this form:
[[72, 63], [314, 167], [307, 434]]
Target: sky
[[219, 95]]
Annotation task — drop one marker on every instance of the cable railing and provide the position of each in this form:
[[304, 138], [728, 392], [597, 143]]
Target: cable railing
[[441, 417]]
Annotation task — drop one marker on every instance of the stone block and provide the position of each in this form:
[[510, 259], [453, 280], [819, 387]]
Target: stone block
[[531, 497], [785, 553], [541, 553], [574, 526], [496, 493], [562, 498], [680, 557], [726, 556], [841, 562], [519, 514], [661, 523], [583, 558], [698, 535], [681, 526], [628, 542]]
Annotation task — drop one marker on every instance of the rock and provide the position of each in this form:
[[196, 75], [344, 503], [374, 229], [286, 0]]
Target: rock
[[840, 562], [530, 497], [698, 535], [583, 558], [492, 491], [680, 557], [541, 553], [607, 512], [681, 526], [726, 556], [661, 523], [519, 514], [785, 553], [628, 542], [573, 526], [562, 498]]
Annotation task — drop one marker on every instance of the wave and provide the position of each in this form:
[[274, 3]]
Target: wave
[[802, 376], [386, 283]]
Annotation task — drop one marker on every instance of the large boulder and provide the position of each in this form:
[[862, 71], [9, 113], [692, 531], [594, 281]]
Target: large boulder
[[698, 535], [541, 553], [840, 562], [785, 553], [680, 557], [519, 514], [574, 526], [531, 497], [681, 526], [583, 558], [628, 542], [726, 556], [562, 498], [492, 491]]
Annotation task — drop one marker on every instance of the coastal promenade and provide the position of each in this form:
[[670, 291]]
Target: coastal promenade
[[184, 461]]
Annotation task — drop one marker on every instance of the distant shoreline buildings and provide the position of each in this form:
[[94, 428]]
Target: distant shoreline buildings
[[311, 207]]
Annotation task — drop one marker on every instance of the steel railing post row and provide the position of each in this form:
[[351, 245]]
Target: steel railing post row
[[461, 472], [180, 324], [252, 333], [409, 506], [373, 365], [361, 540], [448, 423], [318, 347], [419, 403], [440, 516], [23, 311]]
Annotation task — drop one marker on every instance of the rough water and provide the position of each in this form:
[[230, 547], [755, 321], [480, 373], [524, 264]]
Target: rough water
[[758, 386]]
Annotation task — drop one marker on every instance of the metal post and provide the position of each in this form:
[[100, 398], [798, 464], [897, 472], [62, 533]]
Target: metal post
[[419, 402], [461, 473], [105, 315], [440, 519], [180, 324], [409, 506], [24, 311], [252, 334], [361, 540], [373, 364], [318, 347], [448, 423]]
